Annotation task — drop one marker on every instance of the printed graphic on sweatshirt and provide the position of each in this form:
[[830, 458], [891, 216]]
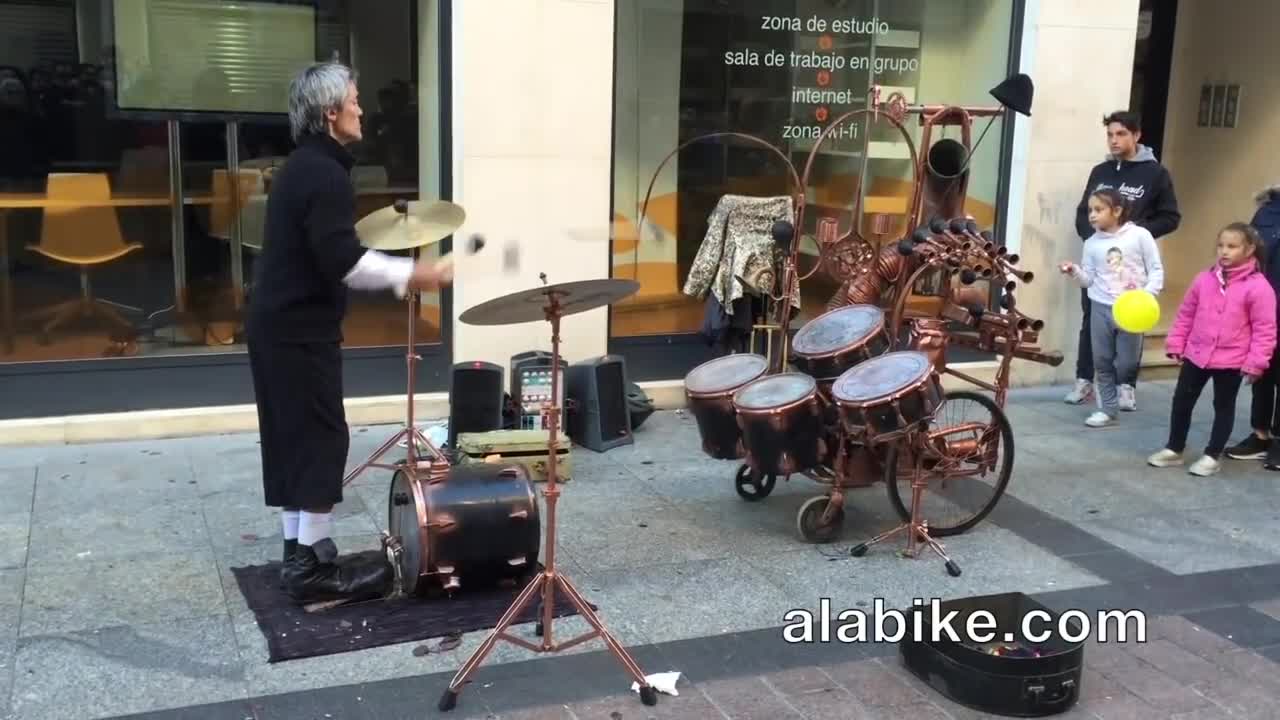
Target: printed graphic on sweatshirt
[[1132, 193], [1121, 274]]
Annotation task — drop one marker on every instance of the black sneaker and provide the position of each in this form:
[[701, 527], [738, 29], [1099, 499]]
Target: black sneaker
[[1273, 456], [1251, 448]]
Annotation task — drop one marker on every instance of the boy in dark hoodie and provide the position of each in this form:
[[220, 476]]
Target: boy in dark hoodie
[[1264, 442], [1132, 169]]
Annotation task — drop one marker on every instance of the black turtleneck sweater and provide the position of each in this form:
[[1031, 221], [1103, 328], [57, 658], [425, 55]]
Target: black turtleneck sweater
[[310, 245]]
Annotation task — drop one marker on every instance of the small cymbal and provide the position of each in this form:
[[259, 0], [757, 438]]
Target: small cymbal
[[529, 305], [422, 223]]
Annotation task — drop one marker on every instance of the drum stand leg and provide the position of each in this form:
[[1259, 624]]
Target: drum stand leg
[[917, 529], [413, 437], [549, 580]]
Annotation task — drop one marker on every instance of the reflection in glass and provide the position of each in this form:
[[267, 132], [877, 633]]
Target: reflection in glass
[[102, 255], [686, 68]]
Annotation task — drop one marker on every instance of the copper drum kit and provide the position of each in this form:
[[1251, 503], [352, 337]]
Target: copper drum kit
[[452, 526], [856, 394]]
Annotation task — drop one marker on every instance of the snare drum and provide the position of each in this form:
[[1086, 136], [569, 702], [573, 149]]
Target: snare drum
[[885, 398], [837, 340], [781, 421], [709, 389]]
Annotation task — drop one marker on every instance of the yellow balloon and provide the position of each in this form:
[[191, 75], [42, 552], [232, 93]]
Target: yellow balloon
[[1136, 311]]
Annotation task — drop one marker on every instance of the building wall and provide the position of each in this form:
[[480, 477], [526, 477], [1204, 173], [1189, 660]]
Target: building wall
[[532, 139], [1217, 171], [1079, 55]]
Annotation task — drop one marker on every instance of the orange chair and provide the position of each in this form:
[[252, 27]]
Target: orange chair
[[82, 229]]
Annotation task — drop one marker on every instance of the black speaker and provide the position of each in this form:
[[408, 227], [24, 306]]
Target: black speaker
[[601, 418], [475, 399]]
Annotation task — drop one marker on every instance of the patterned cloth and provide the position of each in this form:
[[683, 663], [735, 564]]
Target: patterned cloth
[[739, 243]]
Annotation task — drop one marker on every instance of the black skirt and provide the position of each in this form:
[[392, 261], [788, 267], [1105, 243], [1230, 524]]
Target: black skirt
[[301, 422]]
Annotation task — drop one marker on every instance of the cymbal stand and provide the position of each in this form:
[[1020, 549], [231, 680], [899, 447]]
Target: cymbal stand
[[917, 529], [549, 579], [410, 432]]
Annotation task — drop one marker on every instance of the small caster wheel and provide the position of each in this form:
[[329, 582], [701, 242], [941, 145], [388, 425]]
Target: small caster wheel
[[649, 695], [751, 486], [537, 629], [448, 701], [809, 521], [953, 569], [858, 550]]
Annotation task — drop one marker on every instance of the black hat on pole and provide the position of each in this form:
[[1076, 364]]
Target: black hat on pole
[[1015, 93]]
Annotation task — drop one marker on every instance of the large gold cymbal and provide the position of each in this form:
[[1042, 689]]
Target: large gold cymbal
[[415, 225]]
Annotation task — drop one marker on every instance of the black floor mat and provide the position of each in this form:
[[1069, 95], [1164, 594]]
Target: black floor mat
[[294, 633]]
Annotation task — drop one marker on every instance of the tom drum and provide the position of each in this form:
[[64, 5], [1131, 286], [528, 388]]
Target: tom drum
[[479, 523], [887, 397], [781, 421], [708, 391], [839, 339]]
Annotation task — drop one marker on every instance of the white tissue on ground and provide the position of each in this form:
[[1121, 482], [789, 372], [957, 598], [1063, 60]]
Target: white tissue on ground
[[662, 682]]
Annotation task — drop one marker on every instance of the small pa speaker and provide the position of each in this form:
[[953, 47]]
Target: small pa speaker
[[475, 399], [601, 418]]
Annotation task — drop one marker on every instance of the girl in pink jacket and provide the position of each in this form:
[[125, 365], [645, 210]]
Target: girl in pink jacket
[[1224, 331]]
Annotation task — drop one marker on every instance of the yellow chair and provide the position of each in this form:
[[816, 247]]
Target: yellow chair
[[81, 228]]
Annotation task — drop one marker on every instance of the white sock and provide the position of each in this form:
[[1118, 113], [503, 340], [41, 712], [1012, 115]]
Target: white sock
[[289, 518], [314, 527]]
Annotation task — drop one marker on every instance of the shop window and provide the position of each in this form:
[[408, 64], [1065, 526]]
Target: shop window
[[781, 70], [96, 262]]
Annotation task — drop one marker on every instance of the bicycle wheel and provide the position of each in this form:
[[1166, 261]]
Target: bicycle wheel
[[972, 474]]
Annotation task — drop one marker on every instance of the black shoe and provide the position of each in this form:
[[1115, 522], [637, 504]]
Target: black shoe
[[1251, 448], [315, 575], [1273, 456], [290, 547]]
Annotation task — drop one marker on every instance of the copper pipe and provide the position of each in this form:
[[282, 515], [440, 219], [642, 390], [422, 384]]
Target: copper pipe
[[1052, 358]]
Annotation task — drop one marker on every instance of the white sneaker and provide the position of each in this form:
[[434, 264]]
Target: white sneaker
[[1165, 458], [1204, 467], [1080, 393], [1128, 399], [1100, 420]]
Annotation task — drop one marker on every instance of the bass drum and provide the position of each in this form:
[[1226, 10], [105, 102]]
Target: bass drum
[[479, 524]]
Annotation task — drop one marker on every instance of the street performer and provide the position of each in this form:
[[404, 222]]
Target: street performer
[[311, 256]]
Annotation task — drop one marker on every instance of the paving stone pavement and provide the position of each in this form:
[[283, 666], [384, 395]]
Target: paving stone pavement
[[117, 597]]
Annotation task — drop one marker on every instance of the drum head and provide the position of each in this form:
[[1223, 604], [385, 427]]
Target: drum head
[[402, 521], [882, 376], [725, 373], [775, 391], [838, 329]]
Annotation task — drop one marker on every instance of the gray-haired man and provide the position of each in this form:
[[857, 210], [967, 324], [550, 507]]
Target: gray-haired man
[[310, 258]]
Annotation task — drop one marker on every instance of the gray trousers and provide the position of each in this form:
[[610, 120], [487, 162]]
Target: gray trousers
[[1115, 355]]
